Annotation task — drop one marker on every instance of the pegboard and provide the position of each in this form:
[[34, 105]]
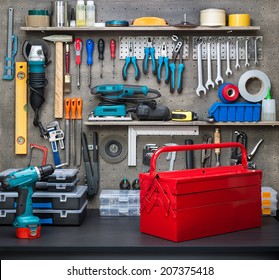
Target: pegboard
[[252, 40], [140, 42], [262, 14]]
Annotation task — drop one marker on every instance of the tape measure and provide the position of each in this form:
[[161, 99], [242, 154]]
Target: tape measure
[[21, 109], [183, 116]]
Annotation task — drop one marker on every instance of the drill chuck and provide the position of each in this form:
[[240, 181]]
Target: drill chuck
[[45, 170]]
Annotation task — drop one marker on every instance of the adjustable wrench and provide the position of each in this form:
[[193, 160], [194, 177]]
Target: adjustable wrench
[[219, 78], [246, 53], [200, 87], [237, 65], [209, 78], [228, 71]]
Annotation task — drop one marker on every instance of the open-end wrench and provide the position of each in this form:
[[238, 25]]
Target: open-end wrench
[[219, 78], [246, 53], [256, 61], [209, 82], [200, 87], [237, 65], [228, 71]]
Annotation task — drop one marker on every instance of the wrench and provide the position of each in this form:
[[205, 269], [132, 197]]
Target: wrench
[[246, 53], [200, 87], [219, 78], [256, 61], [228, 71], [209, 79], [237, 65]]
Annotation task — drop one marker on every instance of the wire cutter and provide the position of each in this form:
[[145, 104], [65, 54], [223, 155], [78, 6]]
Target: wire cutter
[[178, 50], [163, 59], [149, 51], [206, 154], [130, 59]]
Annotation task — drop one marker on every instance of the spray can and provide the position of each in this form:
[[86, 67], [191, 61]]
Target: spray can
[[268, 108]]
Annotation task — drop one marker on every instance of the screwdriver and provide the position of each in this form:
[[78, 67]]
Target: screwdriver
[[101, 49], [73, 129], [112, 54], [90, 50], [78, 49]]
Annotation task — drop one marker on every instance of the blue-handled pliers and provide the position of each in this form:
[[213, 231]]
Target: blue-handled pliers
[[130, 59], [149, 51], [163, 60]]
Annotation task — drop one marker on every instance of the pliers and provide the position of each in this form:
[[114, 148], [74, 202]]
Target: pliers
[[206, 154], [149, 51], [163, 59], [130, 59], [178, 50]]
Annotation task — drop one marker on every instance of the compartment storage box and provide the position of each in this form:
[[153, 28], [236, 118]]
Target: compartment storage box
[[119, 210], [120, 197], [189, 204], [269, 201], [63, 175]]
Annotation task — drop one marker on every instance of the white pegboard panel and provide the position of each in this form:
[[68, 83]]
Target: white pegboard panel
[[140, 42], [232, 39]]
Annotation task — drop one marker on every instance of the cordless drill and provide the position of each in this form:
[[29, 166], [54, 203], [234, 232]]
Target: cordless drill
[[27, 225]]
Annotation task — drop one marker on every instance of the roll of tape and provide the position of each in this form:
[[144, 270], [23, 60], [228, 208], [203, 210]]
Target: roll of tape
[[212, 17], [264, 81], [228, 93], [239, 20]]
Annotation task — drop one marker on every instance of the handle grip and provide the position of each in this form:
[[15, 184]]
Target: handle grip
[[180, 77], [73, 108], [89, 50], [78, 49], [172, 74], [167, 149], [112, 48], [79, 108], [101, 49], [67, 108], [67, 58]]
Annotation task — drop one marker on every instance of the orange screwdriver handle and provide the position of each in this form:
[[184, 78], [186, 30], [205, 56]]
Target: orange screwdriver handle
[[112, 48], [67, 102], [73, 108], [79, 108]]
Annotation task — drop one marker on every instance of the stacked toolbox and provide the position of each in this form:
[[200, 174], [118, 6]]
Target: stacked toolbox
[[57, 200]]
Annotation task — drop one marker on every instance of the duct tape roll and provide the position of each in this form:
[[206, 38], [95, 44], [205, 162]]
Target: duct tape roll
[[228, 93], [213, 17], [264, 82], [239, 20]]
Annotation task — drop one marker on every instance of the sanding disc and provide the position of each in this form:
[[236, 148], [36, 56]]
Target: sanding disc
[[113, 149]]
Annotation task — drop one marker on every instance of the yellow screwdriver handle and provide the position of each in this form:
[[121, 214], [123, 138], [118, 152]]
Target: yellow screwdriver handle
[[73, 108], [67, 102], [79, 108]]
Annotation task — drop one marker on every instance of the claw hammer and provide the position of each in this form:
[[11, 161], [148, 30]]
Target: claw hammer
[[59, 73]]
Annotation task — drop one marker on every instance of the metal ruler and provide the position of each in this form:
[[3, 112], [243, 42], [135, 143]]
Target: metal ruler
[[21, 109], [9, 69]]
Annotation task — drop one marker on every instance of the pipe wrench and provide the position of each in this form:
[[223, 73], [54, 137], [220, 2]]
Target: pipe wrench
[[55, 134]]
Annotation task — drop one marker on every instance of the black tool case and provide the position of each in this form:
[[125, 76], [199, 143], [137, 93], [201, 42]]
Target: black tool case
[[56, 186], [49, 216]]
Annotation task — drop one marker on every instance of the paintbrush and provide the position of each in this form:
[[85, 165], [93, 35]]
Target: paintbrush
[[67, 78]]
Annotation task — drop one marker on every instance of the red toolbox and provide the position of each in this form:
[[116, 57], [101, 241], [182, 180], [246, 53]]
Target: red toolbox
[[188, 204]]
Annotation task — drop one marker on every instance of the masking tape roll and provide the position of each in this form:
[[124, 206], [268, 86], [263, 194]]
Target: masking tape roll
[[264, 81], [212, 17], [239, 20], [228, 93]]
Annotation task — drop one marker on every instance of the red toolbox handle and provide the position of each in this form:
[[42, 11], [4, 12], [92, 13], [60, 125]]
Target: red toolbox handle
[[180, 148]]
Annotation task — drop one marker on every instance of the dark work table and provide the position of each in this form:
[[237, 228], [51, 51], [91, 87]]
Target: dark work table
[[119, 238]]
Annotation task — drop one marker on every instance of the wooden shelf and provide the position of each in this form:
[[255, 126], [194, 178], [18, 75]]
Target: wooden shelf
[[227, 29], [172, 123]]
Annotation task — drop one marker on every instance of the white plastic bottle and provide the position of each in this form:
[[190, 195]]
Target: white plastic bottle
[[80, 14], [268, 108], [90, 13]]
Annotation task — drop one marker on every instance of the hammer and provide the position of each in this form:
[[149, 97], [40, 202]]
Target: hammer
[[59, 74]]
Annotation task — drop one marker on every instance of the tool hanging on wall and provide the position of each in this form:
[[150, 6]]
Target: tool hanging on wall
[[37, 55], [41, 148], [130, 59], [9, 67], [206, 154], [67, 107], [89, 50], [149, 51], [78, 53], [217, 140], [92, 176], [189, 155], [67, 77], [163, 60], [78, 131], [21, 120], [112, 46], [58, 40], [101, 50], [73, 129]]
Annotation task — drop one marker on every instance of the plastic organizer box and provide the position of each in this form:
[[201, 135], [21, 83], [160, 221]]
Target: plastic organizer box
[[119, 203], [269, 201]]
